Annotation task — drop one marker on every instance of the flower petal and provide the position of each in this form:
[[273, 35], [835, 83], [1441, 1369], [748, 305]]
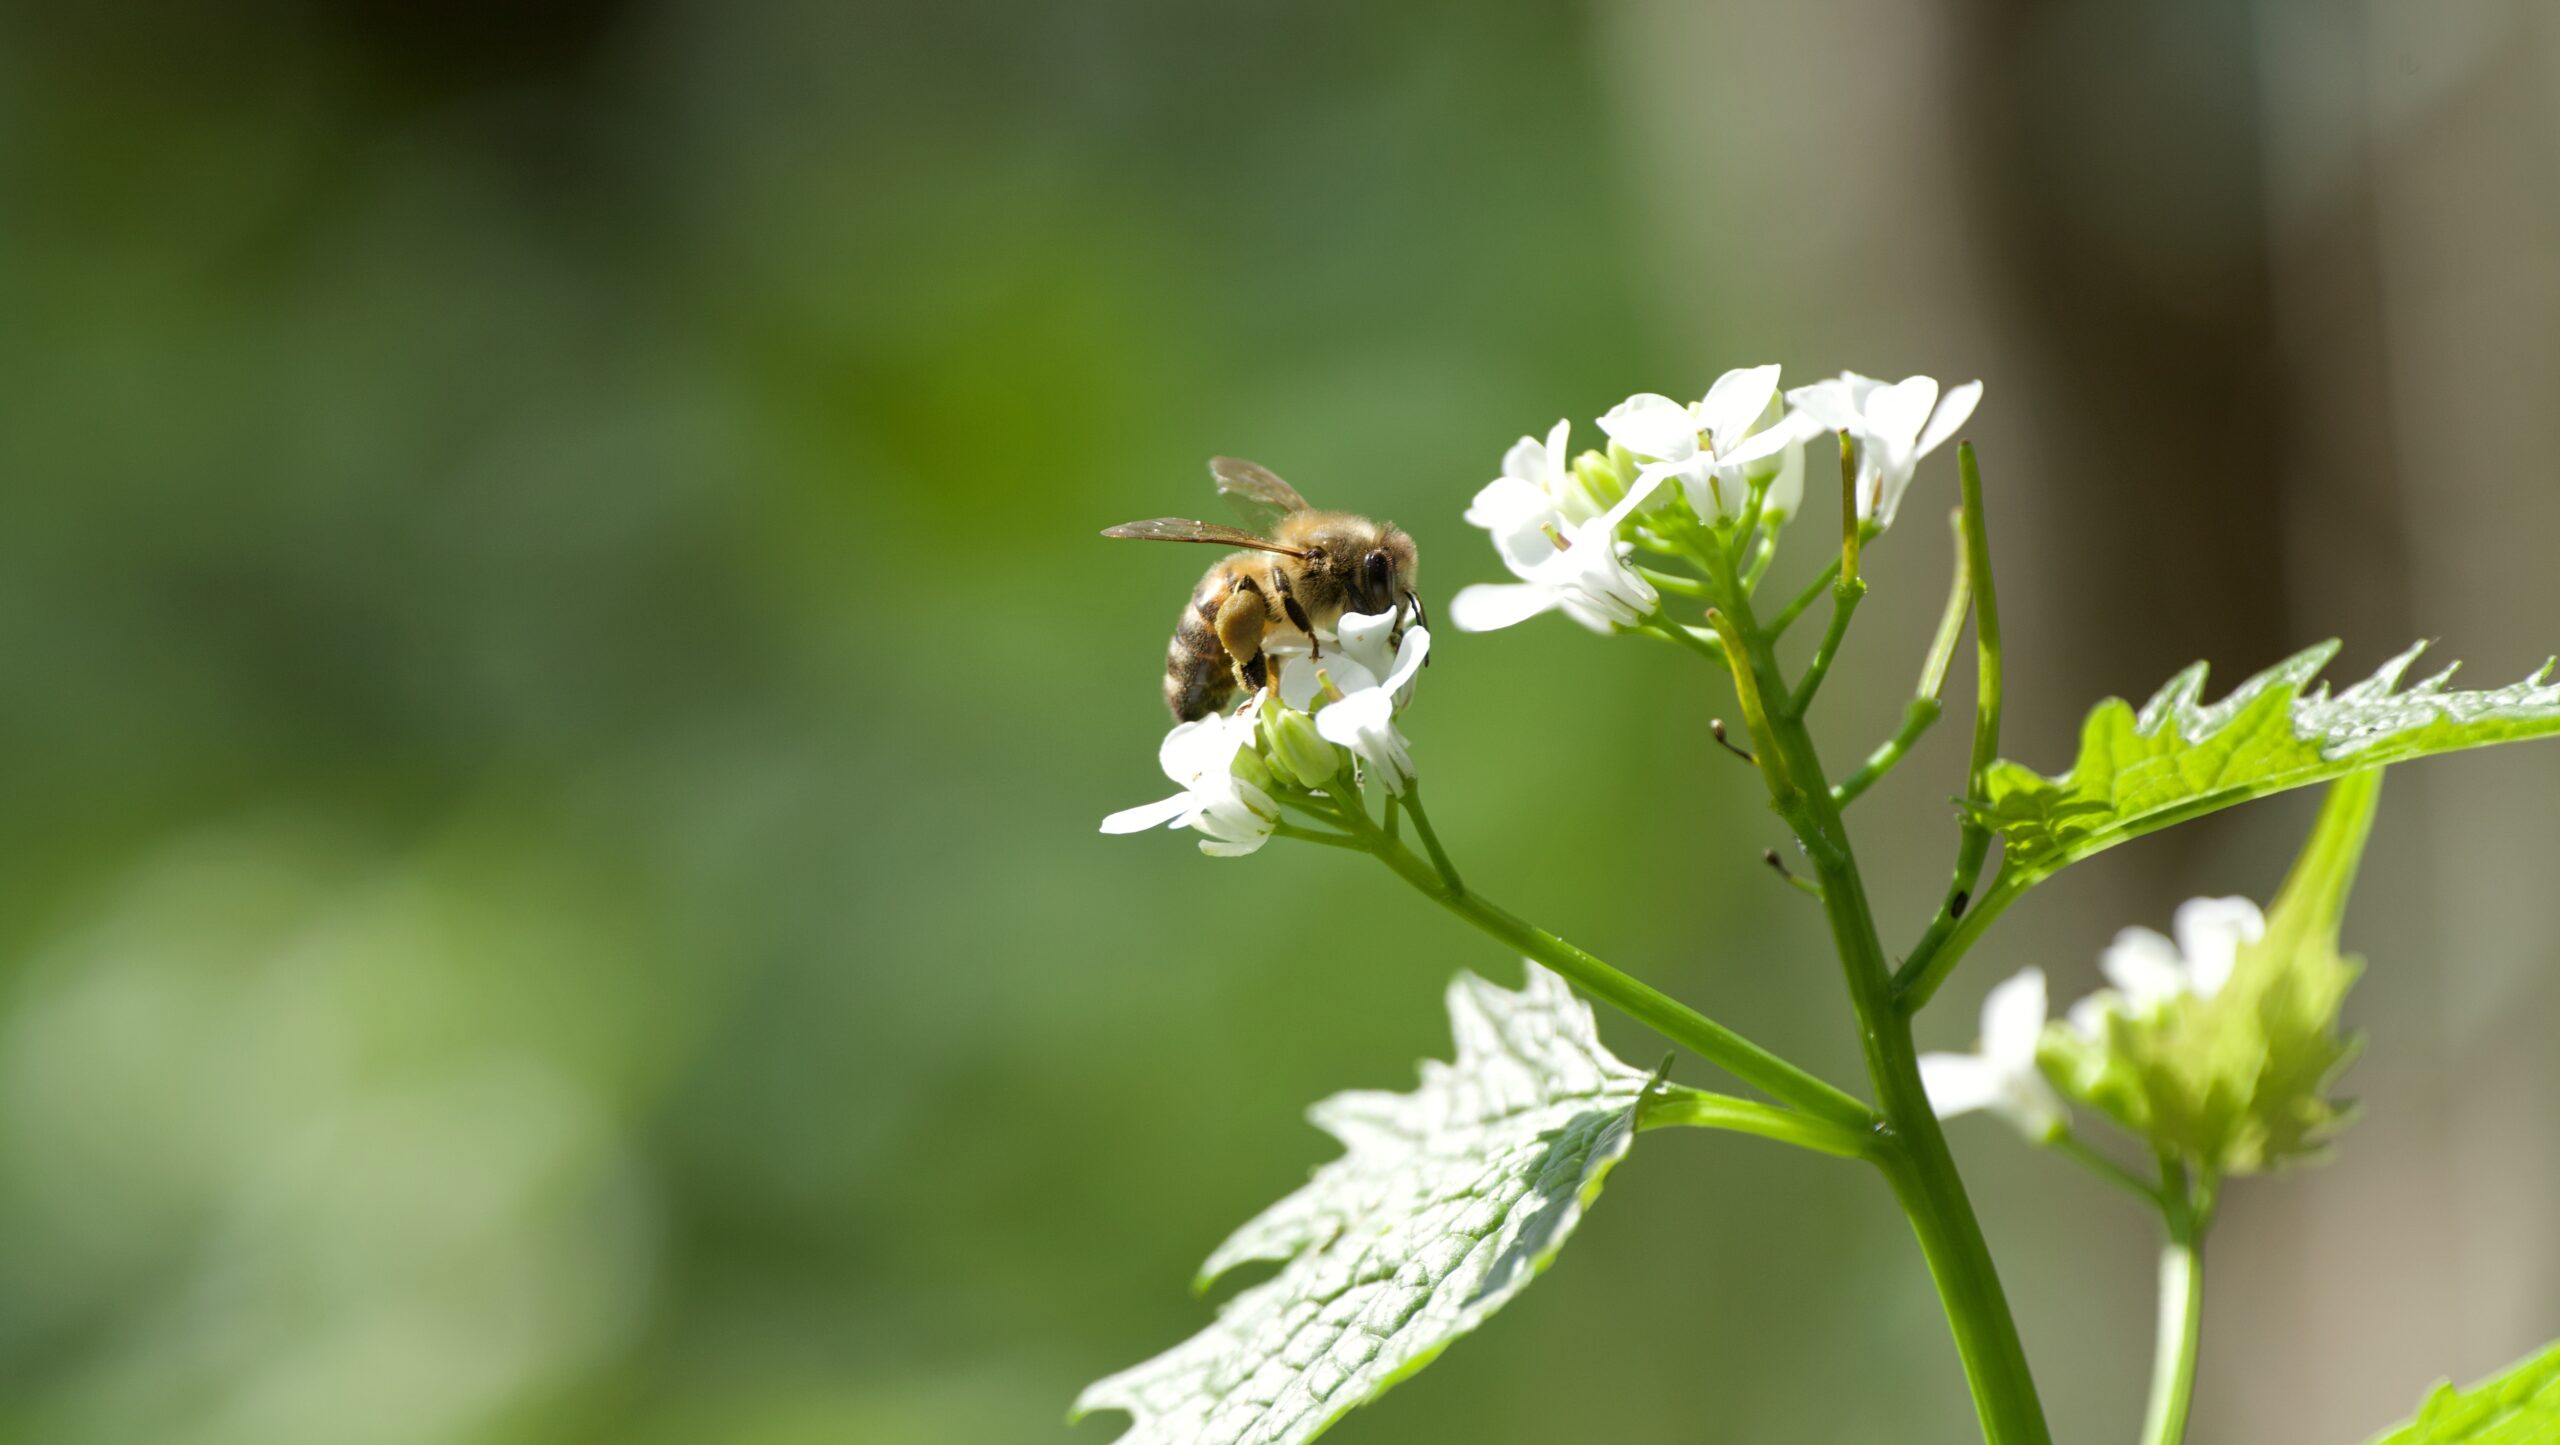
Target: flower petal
[[2210, 932], [2088, 1017], [1491, 606], [1525, 462], [1831, 405], [1786, 490], [1650, 424], [1959, 1083], [1508, 502], [1895, 413], [1410, 655], [1952, 413], [2145, 968], [1735, 402], [2013, 1020], [1166, 811]]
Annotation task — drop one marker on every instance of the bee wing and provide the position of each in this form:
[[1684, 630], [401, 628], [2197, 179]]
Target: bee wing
[[1254, 489], [1183, 529]]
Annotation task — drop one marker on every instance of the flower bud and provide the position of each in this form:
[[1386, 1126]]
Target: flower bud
[[1297, 750], [2219, 1048], [1250, 769], [1602, 483]]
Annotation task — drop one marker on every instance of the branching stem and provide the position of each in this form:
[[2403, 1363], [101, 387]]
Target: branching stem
[[1921, 1170], [1646, 1004], [1695, 1108]]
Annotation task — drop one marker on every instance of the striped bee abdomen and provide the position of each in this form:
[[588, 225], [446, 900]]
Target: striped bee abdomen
[[1197, 680]]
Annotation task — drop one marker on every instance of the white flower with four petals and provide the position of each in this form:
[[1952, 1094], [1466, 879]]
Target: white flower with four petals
[[1200, 756], [1893, 426], [1711, 445]]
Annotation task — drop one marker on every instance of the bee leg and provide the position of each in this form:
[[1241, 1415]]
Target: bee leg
[[1298, 620], [1242, 619], [1297, 615]]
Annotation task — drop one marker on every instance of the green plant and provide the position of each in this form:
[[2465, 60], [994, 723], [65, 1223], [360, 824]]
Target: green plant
[[2213, 1052]]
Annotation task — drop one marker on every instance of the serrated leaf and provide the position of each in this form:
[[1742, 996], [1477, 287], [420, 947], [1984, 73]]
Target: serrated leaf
[[2178, 757], [2519, 1407], [1446, 1203]]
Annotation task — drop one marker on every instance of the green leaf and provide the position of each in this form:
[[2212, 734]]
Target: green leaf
[[2178, 758], [2520, 1407], [1448, 1201], [2238, 1083]]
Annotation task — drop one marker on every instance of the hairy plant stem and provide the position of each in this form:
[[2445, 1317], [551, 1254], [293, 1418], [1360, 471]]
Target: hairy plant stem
[[1650, 1006], [1922, 1172]]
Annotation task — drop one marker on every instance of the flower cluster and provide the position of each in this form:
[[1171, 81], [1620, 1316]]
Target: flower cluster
[[2150, 973], [1567, 527], [1328, 710], [2214, 1046]]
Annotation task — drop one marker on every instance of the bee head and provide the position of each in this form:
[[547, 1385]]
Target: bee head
[[1384, 573]]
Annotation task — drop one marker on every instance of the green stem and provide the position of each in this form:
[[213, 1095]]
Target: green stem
[[1674, 583], [1788, 614], [1286, 829], [1950, 934], [1646, 1004], [1932, 957], [1922, 1171], [1695, 1108], [1430, 839], [2076, 1149], [1916, 719], [1761, 556], [2173, 1366], [1845, 596], [1670, 631]]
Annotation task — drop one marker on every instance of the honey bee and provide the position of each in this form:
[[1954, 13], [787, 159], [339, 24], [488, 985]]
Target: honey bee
[[1312, 568]]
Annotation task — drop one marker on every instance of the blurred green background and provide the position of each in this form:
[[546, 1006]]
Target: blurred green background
[[559, 681]]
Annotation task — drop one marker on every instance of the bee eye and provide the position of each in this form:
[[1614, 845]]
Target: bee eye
[[1377, 571]]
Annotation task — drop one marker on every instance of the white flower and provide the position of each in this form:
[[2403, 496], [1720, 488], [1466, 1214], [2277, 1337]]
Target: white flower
[[1710, 445], [1375, 680], [2150, 972], [1892, 425], [2003, 1077], [1547, 468], [1579, 567], [1200, 756]]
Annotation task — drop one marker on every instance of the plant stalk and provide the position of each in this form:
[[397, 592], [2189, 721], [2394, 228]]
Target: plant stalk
[[2173, 1364], [1922, 1172], [1646, 1004]]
